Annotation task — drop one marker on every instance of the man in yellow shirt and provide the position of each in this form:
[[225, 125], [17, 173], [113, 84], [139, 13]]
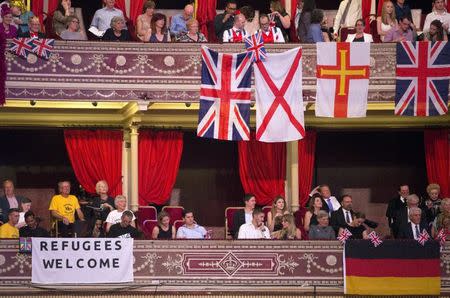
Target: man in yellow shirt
[[9, 230], [63, 208]]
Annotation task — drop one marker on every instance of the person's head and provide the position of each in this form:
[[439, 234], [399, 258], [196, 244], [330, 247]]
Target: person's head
[[264, 22], [25, 204], [62, 3], [98, 223], [412, 200], [315, 203], [188, 217], [250, 201], [439, 4], [192, 26], [30, 219], [403, 190], [109, 3], [437, 30], [163, 218], [13, 216], [404, 24], [8, 188], [258, 217], [101, 187], [64, 188], [6, 14], [388, 12], [231, 7], [279, 204], [324, 190], [415, 214], [309, 5], [73, 23], [248, 12], [287, 220], [34, 24], [126, 219], [322, 218], [120, 202], [17, 7], [275, 5], [159, 21], [239, 21], [433, 189], [445, 205], [317, 16], [360, 25], [400, 2], [188, 11], [117, 23], [358, 218], [347, 202], [149, 7]]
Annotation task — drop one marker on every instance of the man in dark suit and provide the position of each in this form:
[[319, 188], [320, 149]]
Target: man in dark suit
[[9, 200], [402, 216], [397, 203], [344, 215], [415, 226], [243, 216]]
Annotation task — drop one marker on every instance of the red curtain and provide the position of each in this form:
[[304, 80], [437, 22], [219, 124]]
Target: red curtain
[[206, 11], [366, 6], [96, 155], [135, 9], [306, 155], [262, 168], [37, 7], [380, 7], [437, 151], [120, 4], [52, 5], [159, 159]]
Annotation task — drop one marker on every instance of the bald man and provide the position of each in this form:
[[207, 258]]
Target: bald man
[[178, 25], [237, 33]]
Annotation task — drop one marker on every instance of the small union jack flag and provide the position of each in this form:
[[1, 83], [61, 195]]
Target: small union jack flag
[[255, 47], [43, 47], [21, 46], [344, 236], [423, 237], [441, 237], [375, 239]]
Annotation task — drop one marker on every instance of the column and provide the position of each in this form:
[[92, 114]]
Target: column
[[292, 175], [134, 192], [126, 163]]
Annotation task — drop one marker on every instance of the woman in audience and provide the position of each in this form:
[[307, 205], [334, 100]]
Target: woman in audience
[[159, 32], [288, 229], [279, 209], [314, 206], [73, 30], [193, 35], [103, 201], [164, 230], [115, 216], [305, 19], [315, 29], [61, 16], [21, 16], [97, 231], [7, 28], [432, 203], [356, 227], [34, 26], [445, 213], [387, 20], [359, 36], [143, 21], [323, 230], [117, 32], [280, 17], [436, 32]]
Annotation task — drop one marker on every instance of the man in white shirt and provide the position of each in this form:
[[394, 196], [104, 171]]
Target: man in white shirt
[[270, 34], [102, 17], [331, 203], [237, 33], [439, 13], [190, 230], [349, 11], [256, 229]]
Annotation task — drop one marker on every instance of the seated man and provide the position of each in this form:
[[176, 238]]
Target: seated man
[[237, 33], [270, 34], [9, 230], [256, 229], [403, 32], [243, 216], [178, 24], [190, 230], [9, 201], [414, 227], [102, 18], [124, 229], [115, 216], [32, 228], [63, 208], [402, 217]]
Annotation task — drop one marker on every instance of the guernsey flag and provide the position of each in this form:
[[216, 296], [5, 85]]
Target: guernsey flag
[[396, 267]]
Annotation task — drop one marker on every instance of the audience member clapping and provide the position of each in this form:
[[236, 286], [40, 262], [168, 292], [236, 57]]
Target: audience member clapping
[[143, 21], [178, 23], [32, 228], [436, 32], [314, 207], [164, 230], [275, 214], [190, 229], [7, 28], [34, 26], [387, 20], [117, 32], [288, 229], [158, 32], [322, 230], [61, 16], [73, 31], [114, 216], [102, 18], [360, 36], [192, 35], [280, 17]]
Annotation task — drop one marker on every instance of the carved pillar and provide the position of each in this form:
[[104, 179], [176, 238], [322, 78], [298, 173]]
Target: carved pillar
[[126, 163], [292, 175], [134, 163]]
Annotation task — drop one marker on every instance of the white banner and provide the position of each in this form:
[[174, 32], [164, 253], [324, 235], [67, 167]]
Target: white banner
[[82, 260]]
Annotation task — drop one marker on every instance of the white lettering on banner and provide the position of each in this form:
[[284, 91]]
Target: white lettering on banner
[[82, 260]]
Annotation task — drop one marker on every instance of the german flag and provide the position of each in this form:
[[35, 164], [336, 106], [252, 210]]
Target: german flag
[[396, 267]]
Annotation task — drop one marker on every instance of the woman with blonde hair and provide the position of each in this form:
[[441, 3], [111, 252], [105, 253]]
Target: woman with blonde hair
[[103, 201], [164, 230], [279, 209], [288, 231], [387, 20]]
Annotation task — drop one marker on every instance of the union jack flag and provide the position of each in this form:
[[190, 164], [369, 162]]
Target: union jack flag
[[441, 237], [43, 47], [375, 239], [21, 46], [225, 96], [423, 73], [344, 236], [423, 237], [255, 47]]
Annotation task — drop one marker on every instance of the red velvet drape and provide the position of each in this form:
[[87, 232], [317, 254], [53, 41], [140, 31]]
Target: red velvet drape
[[135, 10], [366, 6], [96, 155], [52, 5], [262, 168], [437, 151], [120, 4], [380, 7], [37, 7], [159, 159], [206, 11], [306, 156]]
